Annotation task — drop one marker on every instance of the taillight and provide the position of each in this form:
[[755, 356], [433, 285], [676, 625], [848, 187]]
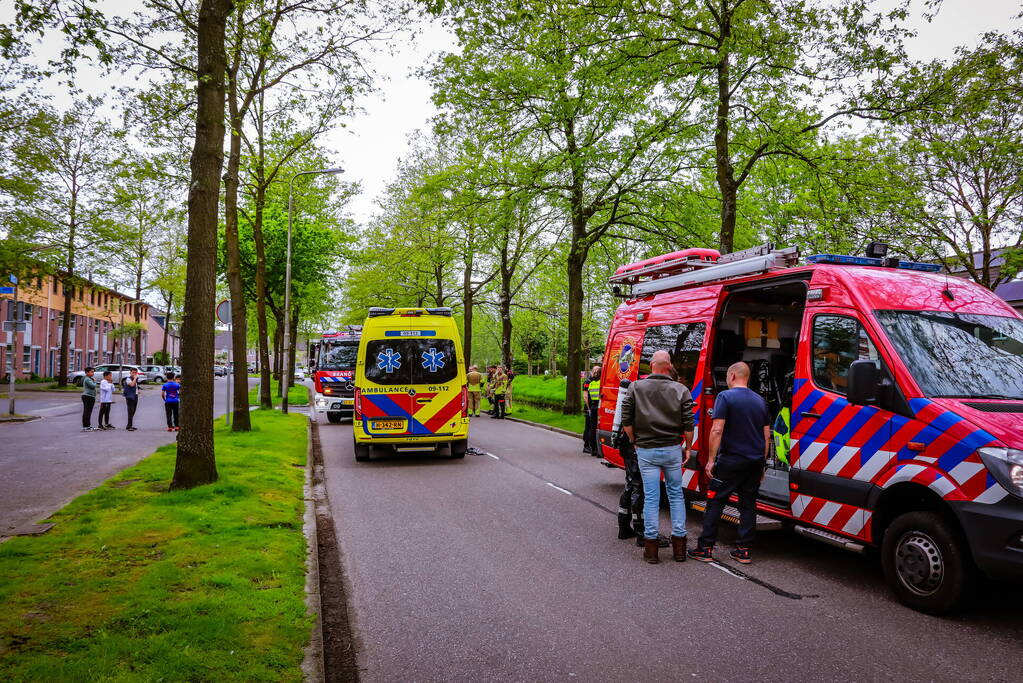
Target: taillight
[[358, 405], [465, 402]]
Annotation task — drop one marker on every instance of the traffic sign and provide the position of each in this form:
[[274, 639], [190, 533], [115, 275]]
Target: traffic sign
[[224, 311], [13, 279], [6, 290]]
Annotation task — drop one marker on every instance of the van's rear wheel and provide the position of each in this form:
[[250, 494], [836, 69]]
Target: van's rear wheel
[[926, 562], [361, 451], [458, 448], [334, 418]]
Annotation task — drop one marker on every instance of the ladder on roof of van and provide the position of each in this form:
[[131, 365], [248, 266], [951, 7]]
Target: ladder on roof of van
[[691, 270]]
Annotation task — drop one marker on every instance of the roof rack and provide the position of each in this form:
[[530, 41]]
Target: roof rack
[[760, 259]]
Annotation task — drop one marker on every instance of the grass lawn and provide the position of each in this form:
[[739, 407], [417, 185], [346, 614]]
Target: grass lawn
[[298, 395], [135, 583], [53, 386], [541, 390], [573, 423]]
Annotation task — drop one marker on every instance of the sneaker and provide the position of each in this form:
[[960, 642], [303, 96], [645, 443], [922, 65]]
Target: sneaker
[[86, 429], [701, 554], [177, 429], [741, 555], [170, 429]]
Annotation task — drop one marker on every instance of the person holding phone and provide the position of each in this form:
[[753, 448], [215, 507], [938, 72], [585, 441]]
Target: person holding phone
[[737, 456]]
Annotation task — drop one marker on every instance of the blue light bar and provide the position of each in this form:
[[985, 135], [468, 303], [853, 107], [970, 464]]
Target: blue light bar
[[844, 260]]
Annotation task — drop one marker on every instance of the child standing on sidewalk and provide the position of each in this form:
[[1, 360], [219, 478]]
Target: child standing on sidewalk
[[171, 400], [106, 399]]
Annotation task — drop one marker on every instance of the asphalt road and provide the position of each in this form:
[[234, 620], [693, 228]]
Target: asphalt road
[[47, 462], [506, 566]]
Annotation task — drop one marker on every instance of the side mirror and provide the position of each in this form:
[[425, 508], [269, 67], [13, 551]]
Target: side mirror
[[864, 382]]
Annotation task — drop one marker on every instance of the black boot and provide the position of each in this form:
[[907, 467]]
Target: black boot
[[625, 526]]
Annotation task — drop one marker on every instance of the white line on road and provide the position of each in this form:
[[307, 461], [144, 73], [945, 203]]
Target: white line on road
[[559, 488], [493, 456], [726, 570]]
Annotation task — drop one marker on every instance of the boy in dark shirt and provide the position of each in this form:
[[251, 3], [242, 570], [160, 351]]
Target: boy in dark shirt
[[171, 401], [737, 455]]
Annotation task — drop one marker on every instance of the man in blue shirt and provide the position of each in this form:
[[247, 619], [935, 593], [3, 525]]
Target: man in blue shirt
[[171, 400], [737, 455]]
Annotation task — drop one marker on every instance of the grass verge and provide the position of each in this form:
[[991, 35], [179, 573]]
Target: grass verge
[[53, 386], [136, 583], [298, 395], [546, 391], [573, 423]]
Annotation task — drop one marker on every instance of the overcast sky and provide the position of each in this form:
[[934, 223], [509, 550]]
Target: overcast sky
[[369, 145]]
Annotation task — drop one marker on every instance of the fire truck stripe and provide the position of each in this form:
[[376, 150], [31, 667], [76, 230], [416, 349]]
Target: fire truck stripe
[[826, 513], [843, 456], [965, 471], [874, 465], [992, 495]]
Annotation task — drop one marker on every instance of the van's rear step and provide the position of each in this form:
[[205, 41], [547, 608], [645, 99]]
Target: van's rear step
[[829, 538], [731, 514]]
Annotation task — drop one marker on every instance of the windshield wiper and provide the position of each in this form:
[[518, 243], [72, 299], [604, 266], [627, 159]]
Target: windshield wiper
[[1001, 397]]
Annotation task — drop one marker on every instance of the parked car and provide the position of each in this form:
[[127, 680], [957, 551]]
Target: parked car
[[299, 374], [158, 373], [120, 373], [221, 371]]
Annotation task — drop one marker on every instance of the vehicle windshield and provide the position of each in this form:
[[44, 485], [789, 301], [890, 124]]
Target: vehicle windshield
[[959, 355], [339, 357]]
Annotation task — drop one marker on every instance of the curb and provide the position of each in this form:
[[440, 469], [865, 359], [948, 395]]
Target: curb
[[549, 428], [27, 418], [312, 663]]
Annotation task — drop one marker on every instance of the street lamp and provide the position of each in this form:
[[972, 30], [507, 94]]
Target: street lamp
[[286, 346]]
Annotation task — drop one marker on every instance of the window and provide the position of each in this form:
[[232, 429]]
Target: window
[[959, 355], [340, 357], [92, 297], [54, 285], [26, 359], [837, 341], [28, 313], [682, 341], [411, 361]]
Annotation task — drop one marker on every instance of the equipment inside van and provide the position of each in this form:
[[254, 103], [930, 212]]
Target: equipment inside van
[[896, 393]]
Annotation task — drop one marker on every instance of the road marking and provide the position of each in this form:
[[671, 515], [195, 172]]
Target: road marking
[[493, 456], [726, 570], [559, 488]]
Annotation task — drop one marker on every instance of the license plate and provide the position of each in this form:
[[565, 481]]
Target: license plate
[[389, 424], [348, 401]]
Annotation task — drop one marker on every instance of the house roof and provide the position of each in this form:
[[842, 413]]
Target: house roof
[[1012, 292]]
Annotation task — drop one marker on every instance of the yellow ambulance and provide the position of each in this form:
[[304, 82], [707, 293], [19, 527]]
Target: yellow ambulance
[[410, 391]]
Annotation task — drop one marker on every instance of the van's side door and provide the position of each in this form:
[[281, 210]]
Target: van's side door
[[837, 447], [621, 360]]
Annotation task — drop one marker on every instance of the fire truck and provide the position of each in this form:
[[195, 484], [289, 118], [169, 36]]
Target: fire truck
[[332, 358], [899, 391]]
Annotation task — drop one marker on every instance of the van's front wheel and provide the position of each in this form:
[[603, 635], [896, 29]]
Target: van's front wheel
[[926, 562], [458, 448], [361, 451]]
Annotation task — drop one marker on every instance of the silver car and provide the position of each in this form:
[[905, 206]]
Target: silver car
[[120, 373]]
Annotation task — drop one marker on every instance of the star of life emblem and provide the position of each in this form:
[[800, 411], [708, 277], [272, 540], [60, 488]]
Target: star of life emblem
[[388, 360], [433, 360]]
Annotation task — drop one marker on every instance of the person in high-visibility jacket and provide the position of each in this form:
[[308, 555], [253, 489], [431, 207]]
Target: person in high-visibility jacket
[[782, 430], [592, 398]]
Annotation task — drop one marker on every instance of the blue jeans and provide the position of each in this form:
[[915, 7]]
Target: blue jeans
[[652, 463]]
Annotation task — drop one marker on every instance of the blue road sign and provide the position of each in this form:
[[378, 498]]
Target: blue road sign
[[6, 290], [13, 279]]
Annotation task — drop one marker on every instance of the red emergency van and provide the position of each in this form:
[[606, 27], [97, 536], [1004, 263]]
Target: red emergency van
[[902, 387], [332, 358]]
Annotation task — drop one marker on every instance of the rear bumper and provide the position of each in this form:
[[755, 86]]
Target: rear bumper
[[460, 433], [995, 534]]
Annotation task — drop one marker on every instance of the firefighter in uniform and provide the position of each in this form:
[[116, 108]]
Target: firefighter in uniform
[[630, 504]]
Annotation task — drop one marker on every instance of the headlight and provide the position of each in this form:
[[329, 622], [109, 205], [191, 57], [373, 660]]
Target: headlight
[[1006, 465], [321, 402]]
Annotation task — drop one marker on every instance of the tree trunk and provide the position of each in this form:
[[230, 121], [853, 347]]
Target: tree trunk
[[576, 261], [138, 317], [166, 329], [468, 296], [196, 460], [65, 331], [265, 392], [723, 159], [505, 307], [239, 325], [293, 351]]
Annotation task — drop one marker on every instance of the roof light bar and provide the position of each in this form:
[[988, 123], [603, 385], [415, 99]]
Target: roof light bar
[[846, 260]]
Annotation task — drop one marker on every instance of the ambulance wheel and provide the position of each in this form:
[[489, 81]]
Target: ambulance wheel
[[334, 418], [926, 563], [361, 451], [458, 448]]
